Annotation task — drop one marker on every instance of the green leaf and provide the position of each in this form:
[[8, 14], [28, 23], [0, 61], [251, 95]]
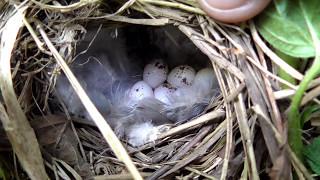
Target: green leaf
[[283, 25], [293, 62], [292, 27], [312, 154]]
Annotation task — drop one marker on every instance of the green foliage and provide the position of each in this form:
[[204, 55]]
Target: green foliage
[[312, 155], [292, 27], [292, 61], [284, 26]]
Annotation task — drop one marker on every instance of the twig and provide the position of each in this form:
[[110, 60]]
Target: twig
[[200, 120]]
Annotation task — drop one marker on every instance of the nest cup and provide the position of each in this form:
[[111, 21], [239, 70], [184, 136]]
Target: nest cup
[[95, 42], [111, 60]]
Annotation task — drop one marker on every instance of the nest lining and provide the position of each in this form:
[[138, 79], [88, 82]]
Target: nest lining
[[209, 150]]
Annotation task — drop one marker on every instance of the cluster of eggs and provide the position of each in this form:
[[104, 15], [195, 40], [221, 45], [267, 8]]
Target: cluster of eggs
[[161, 84]]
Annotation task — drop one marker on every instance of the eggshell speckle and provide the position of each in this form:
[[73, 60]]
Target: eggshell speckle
[[155, 73], [140, 90], [181, 76], [164, 93]]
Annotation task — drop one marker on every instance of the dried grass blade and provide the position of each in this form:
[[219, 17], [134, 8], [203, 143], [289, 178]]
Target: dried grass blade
[[67, 8], [101, 123], [183, 150], [121, 176], [217, 134], [229, 130], [175, 5], [200, 120], [201, 173], [148, 22], [275, 58], [16, 125], [258, 97], [211, 53], [246, 137], [314, 93], [282, 94], [70, 169]]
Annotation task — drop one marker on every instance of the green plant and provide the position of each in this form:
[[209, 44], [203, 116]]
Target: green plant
[[311, 153], [292, 27]]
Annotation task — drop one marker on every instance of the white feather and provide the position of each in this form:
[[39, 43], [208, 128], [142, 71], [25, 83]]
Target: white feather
[[142, 133]]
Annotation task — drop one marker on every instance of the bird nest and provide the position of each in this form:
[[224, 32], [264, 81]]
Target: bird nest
[[241, 133]]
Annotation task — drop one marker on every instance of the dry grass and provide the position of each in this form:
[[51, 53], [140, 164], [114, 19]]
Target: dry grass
[[243, 135]]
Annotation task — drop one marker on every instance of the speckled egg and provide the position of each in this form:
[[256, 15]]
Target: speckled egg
[[155, 73], [181, 76], [164, 93], [140, 90]]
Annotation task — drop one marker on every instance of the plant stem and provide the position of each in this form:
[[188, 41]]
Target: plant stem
[[295, 129]]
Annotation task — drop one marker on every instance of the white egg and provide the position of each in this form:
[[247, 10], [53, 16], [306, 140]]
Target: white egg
[[184, 95], [155, 73], [205, 80], [140, 90], [164, 93], [181, 76]]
